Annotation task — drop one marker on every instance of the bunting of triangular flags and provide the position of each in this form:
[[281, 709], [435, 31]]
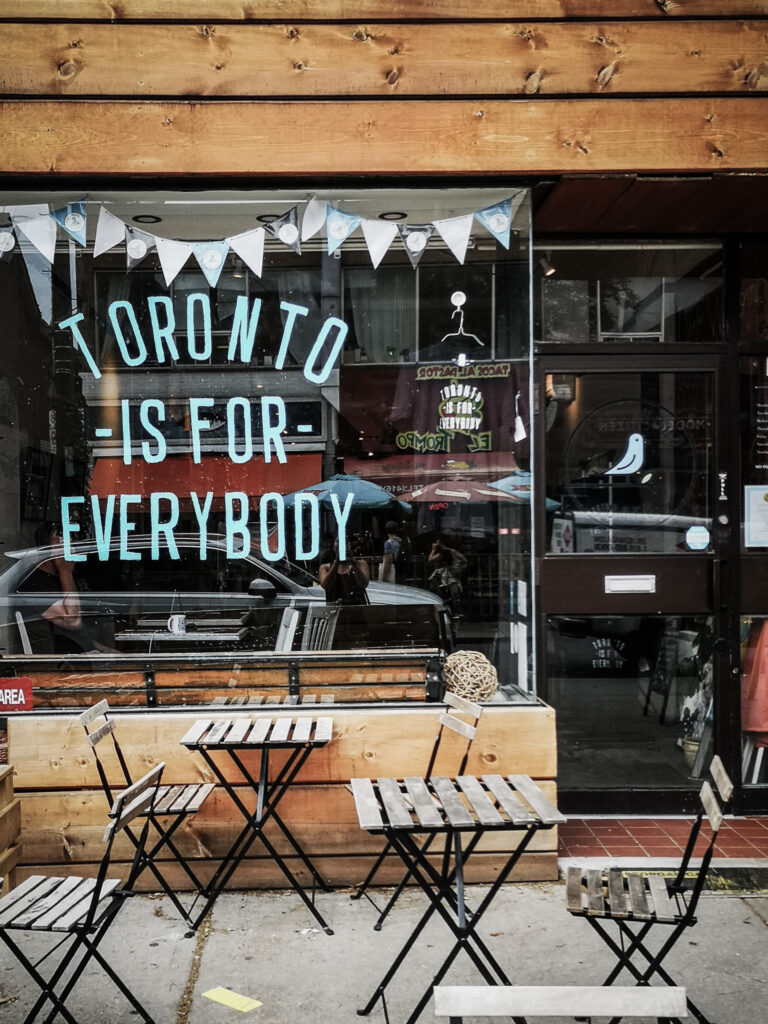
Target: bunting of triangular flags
[[34, 229]]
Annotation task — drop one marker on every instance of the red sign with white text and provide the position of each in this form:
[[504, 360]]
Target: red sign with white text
[[15, 694]]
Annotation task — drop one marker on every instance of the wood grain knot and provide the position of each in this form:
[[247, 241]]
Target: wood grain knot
[[67, 69], [392, 76], [360, 35], [533, 82]]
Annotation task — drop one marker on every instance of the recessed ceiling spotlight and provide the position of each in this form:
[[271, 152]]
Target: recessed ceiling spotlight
[[147, 218], [266, 218], [393, 215]]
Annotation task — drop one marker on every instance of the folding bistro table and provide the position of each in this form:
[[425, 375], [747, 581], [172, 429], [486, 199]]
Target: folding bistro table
[[461, 811], [235, 736]]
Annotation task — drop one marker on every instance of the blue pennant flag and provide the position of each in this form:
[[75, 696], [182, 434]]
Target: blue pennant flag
[[72, 218], [498, 220], [211, 256], [339, 226]]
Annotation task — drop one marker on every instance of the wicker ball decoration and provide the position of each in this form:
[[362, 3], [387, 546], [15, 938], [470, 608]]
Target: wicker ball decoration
[[469, 674]]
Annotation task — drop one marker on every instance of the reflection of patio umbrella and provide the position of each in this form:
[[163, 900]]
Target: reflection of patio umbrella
[[518, 487], [365, 493], [462, 491]]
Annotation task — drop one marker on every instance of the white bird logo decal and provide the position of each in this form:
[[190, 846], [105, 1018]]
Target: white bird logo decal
[[632, 459]]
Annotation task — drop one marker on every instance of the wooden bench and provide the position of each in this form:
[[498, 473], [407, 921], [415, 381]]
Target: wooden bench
[[585, 1001]]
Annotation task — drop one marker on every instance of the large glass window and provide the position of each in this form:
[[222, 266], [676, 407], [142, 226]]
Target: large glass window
[[229, 416]]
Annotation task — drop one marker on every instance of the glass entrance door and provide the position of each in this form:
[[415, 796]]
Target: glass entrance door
[[630, 541]]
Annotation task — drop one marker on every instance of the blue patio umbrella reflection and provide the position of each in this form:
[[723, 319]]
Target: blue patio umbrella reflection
[[518, 486], [365, 493]]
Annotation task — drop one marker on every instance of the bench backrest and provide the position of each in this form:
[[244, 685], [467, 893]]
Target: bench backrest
[[457, 1001]]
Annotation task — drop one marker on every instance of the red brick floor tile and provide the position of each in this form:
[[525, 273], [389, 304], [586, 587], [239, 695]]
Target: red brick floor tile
[[587, 850], [656, 849]]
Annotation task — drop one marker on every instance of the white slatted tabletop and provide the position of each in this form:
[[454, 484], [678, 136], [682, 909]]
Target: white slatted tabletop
[[246, 731]]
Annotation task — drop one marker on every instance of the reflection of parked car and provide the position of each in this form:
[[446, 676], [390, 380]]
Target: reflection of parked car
[[241, 604]]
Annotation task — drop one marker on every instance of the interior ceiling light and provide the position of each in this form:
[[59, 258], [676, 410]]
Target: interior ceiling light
[[147, 218], [393, 215], [266, 218]]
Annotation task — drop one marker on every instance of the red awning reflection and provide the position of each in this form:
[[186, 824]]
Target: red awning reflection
[[402, 473], [215, 473]]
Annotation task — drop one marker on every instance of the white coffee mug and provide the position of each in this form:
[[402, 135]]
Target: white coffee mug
[[177, 624]]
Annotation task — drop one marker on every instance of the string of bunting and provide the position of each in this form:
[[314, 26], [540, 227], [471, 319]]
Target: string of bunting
[[34, 229]]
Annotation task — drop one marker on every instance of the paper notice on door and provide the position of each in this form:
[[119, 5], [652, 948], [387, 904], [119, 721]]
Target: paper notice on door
[[756, 516]]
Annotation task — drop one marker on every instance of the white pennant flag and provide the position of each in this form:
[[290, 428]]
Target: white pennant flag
[[172, 255], [455, 232], [36, 224], [110, 231], [249, 246], [378, 235], [313, 219]]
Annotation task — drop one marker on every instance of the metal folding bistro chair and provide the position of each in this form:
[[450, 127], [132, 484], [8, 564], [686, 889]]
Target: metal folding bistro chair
[[636, 902], [78, 912], [174, 805], [450, 718]]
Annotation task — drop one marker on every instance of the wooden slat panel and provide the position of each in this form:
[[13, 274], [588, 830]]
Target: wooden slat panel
[[638, 902], [662, 905], [366, 804], [455, 811], [384, 60], [395, 741], [331, 10], [508, 800], [595, 897], [616, 893], [536, 800], [397, 136], [423, 802], [478, 798], [573, 890], [397, 811]]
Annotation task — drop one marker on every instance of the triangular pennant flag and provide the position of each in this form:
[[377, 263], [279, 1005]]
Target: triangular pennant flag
[[415, 238], [378, 237], [338, 226], [313, 219], [249, 246], [35, 223], [172, 255], [137, 245], [498, 218], [40, 271], [211, 257], [110, 231], [286, 228], [72, 218], [455, 232]]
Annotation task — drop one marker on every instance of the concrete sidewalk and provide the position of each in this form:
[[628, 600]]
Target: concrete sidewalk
[[266, 945]]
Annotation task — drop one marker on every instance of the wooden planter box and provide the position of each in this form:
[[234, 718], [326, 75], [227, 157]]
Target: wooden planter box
[[64, 808]]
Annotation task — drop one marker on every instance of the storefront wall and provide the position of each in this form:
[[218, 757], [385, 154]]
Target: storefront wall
[[642, 332]]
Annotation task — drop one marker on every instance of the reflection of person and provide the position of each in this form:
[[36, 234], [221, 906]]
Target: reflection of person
[[447, 565], [392, 547], [53, 576], [344, 581]]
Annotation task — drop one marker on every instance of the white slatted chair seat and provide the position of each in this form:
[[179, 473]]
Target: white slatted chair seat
[[579, 1001]]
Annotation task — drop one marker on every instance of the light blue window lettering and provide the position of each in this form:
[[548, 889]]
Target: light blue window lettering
[[127, 526], [79, 341], [236, 523], [102, 528], [122, 344], [197, 423], [199, 299], [272, 431], [162, 333], [247, 453], [201, 514], [125, 419], [243, 329], [166, 528], [144, 409], [68, 528], [293, 311], [342, 515], [309, 501], [272, 544], [309, 368]]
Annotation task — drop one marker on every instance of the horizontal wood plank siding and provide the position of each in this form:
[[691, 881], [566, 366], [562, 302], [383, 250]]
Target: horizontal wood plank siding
[[82, 137], [385, 60], [382, 10], [63, 807]]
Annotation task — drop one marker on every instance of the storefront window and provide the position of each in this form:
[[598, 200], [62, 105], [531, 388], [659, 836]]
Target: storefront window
[[616, 293], [228, 417]]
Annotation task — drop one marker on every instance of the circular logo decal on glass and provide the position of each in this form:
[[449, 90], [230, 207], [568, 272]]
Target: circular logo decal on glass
[[137, 249], [74, 222], [211, 259], [416, 241], [498, 222], [288, 233], [337, 228], [7, 241]]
